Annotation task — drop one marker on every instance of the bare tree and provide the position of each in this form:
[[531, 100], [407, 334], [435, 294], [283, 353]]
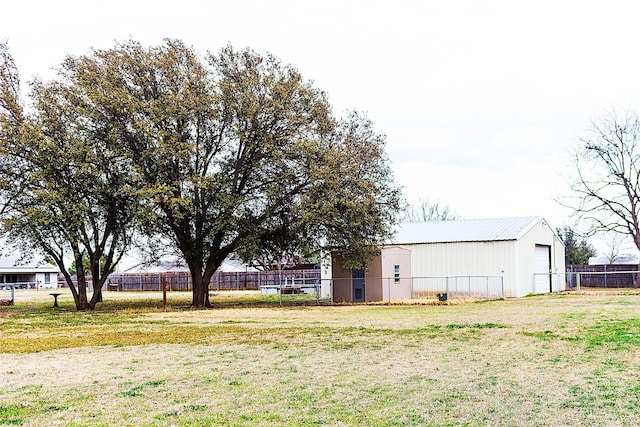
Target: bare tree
[[606, 189], [617, 247], [427, 210]]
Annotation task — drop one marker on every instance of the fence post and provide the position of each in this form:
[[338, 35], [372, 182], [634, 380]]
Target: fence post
[[331, 289], [578, 281], [388, 289], [447, 288], [487, 287], [164, 293]]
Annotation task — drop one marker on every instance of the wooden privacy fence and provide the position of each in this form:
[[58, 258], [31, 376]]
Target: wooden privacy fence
[[176, 281], [181, 281], [602, 276]]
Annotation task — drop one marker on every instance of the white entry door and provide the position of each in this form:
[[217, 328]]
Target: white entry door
[[542, 278]]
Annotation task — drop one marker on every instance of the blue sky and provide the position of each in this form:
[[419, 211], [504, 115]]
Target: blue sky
[[481, 101]]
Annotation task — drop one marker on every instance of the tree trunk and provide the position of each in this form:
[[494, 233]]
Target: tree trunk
[[200, 290], [96, 298], [80, 297], [201, 279], [96, 279], [79, 292], [81, 301]]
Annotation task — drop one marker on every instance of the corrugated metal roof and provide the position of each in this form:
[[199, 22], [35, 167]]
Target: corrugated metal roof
[[471, 230]]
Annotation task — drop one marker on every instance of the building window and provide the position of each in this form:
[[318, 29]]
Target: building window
[[47, 278], [396, 274]]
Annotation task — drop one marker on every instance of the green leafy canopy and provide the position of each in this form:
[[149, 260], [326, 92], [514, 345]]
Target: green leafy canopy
[[229, 153]]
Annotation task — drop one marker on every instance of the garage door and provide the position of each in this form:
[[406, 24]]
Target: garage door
[[542, 278]]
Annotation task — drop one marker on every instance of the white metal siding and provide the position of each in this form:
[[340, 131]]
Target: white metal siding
[[514, 259], [465, 259], [559, 279], [540, 235]]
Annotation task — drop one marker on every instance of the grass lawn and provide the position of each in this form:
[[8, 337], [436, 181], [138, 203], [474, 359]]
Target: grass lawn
[[544, 360]]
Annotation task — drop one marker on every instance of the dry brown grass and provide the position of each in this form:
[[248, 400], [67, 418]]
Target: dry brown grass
[[550, 360]]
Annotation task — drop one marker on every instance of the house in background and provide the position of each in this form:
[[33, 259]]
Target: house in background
[[179, 266], [523, 255], [31, 274], [629, 260]]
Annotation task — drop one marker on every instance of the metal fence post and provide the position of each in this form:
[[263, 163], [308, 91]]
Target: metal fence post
[[447, 288], [487, 287], [412, 296]]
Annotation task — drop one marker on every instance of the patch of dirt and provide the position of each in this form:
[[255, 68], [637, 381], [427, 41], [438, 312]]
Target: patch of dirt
[[8, 312]]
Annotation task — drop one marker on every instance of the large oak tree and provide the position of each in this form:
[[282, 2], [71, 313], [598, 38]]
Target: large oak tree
[[235, 152]]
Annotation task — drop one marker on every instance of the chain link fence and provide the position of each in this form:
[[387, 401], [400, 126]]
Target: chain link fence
[[388, 289], [592, 278], [457, 287]]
